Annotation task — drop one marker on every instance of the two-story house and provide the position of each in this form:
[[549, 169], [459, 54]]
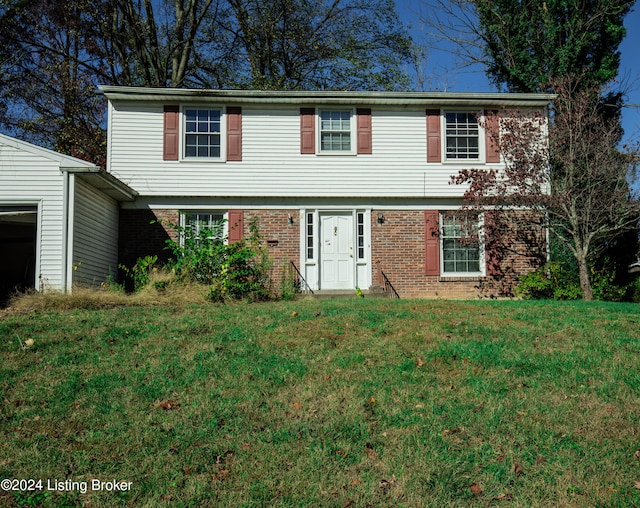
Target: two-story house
[[344, 184]]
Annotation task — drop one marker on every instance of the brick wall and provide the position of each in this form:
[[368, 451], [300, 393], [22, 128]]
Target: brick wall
[[281, 238], [145, 232], [398, 250]]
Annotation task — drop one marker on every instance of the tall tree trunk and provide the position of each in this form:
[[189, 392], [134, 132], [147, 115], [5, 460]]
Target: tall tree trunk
[[585, 282]]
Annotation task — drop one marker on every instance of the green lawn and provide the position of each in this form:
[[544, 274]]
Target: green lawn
[[357, 402]]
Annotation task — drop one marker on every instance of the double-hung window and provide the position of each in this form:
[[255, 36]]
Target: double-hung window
[[204, 226], [461, 252], [202, 133], [335, 131], [462, 136]]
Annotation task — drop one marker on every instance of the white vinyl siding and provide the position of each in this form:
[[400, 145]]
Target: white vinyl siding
[[272, 165], [31, 179], [95, 235]]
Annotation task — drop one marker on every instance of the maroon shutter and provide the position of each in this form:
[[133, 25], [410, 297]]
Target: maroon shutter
[[433, 136], [234, 134], [363, 116], [307, 130], [235, 222], [492, 132], [171, 133], [431, 242], [492, 255]]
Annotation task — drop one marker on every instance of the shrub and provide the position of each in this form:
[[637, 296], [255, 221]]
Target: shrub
[[236, 270], [551, 281], [140, 273]]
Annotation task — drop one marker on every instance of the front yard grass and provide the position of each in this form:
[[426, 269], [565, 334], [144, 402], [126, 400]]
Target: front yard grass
[[357, 402]]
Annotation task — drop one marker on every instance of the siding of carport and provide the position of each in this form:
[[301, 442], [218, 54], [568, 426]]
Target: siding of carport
[[29, 178], [95, 235]]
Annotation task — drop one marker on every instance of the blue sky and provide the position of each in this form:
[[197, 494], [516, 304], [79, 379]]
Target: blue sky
[[442, 67]]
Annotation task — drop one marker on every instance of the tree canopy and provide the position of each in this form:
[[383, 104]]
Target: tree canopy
[[526, 44], [53, 54]]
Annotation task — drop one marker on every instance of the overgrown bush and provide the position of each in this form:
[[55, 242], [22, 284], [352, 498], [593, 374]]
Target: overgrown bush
[[551, 281], [235, 270], [140, 273], [288, 284], [557, 281]]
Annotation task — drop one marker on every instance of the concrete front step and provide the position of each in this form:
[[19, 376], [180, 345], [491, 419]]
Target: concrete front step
[[347, 293]]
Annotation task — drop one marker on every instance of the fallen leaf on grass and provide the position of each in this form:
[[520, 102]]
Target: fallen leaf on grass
[[220, 475], [169, 405], [448, 432], [419, 362], [386, 483], [505, 496], [355, 482], [294, 314], [296, 406], [637, 454], [476, 489], [517, 469], [371, 453], [636, 485], [347, 503]]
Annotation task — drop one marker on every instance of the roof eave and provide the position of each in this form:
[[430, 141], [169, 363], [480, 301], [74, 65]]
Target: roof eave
[[328, 97], [105, 182]]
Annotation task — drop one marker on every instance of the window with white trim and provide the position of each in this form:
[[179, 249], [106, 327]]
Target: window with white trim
[[202, 132], [335, 131], [460, 245], [205, 225], [309, 235], [360, 234], [462, 138]]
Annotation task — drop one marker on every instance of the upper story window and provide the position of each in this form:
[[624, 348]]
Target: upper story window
[[335, 131], [462, 136], [202, 133], [460, 251]]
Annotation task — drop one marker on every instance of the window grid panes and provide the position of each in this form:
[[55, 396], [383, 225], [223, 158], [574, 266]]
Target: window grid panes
[[459, 255], [462, 136], [310, 236], [360, 234], [202, 133], [210, 224], [335, 131]]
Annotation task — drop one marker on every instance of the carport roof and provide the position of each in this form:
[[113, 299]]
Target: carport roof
[[94, 175]]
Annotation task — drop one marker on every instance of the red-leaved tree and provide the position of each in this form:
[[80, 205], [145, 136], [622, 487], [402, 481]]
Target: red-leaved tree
[[565, 175]]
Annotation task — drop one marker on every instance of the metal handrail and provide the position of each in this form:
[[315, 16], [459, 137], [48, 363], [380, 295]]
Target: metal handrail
[[302, 284], [388, 287]]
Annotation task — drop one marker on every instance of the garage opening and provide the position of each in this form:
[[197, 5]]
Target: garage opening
[[18, 232]]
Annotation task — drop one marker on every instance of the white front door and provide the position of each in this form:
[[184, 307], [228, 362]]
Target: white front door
[[336, 250]]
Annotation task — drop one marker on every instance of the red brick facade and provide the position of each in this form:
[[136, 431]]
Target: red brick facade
[[397, 249]]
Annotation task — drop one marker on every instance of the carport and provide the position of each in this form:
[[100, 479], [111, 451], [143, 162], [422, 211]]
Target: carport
[[58, 219]]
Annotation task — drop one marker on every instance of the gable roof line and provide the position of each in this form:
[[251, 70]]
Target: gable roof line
[[328, 97], [66, 161]]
